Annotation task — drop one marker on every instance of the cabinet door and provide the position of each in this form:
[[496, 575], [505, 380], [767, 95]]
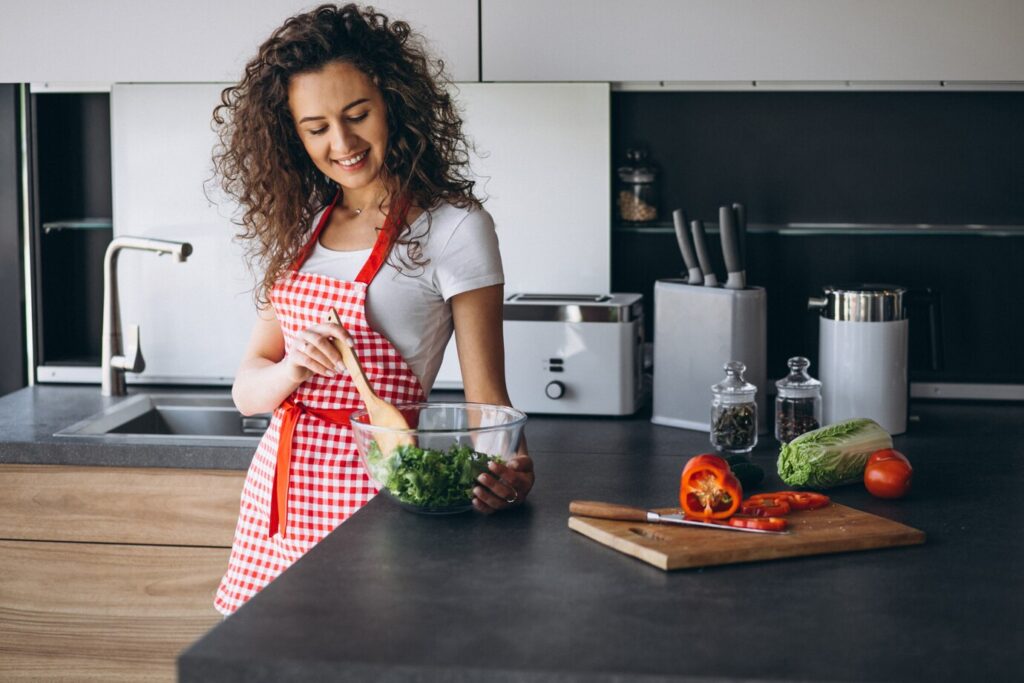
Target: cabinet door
[[104, 612], [542, 164], [142, 505], [189, 40], [194, 317], [748, 40]]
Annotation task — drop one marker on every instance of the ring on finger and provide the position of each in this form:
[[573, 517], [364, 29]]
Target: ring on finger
[[515, 495]]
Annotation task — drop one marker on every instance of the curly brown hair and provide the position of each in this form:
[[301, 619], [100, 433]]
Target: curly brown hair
[[262, 163]]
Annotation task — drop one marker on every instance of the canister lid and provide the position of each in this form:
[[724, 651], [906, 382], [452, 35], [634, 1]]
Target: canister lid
[[638, 170], [861, 302], [734, 387], [798, 384]]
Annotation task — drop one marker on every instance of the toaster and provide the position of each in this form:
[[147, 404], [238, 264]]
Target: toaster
[[574, 354]]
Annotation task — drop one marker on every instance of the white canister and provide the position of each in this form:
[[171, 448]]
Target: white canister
[[862, 354]]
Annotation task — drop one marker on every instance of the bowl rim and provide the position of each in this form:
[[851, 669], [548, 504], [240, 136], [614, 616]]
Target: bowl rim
[[518, 421]]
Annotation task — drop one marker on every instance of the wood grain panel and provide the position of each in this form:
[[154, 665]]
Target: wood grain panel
[[834, 529], [119, 505], [72, 611]]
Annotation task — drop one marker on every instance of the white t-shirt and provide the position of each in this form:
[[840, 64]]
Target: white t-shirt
[[412, 308]]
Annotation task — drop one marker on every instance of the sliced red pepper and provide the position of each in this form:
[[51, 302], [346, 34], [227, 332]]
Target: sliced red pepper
[[799, 500], [708, 488], [762, 523], [765, 506]]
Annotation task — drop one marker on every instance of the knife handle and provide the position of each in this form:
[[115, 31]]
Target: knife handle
[[693, 272], [591, 508], [699, 245], [740, 212], [728, 231]]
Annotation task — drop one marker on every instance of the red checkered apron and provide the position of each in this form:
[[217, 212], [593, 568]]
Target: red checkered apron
[[306, 478]]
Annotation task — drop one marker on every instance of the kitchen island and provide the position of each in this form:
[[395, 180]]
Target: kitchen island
[[393, 596]]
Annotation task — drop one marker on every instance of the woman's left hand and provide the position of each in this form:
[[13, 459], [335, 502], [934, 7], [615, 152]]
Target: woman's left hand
[[505, 485]]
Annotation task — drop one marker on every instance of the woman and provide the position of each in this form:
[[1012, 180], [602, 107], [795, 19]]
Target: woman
[[348, 159]]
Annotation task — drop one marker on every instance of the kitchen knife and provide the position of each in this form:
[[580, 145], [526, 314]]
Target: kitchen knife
[[694, 276], [589, 508], [741, 231], [731, 248], [697, 227]]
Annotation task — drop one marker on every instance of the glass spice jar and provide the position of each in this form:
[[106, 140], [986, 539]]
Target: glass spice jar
[[798, 402], [637, 197], [734, 411]]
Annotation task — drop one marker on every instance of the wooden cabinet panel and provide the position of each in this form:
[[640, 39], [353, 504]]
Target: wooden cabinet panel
[[119, 505], [102, 612], [752, 40]]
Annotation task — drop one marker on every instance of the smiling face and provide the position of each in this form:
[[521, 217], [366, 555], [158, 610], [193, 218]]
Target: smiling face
[[341, 118]]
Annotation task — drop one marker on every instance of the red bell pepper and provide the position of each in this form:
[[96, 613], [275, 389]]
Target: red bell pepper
[[765, 506], [708, 488], [762, 523]]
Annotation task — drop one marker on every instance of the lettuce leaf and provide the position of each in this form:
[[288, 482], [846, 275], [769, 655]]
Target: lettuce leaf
[[832, 455], [426, 477]]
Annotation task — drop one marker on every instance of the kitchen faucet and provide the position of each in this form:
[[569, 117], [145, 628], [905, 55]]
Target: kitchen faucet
[[115, 361]]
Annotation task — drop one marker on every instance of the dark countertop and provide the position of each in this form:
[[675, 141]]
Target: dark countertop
[[393, 596], [29, 418]]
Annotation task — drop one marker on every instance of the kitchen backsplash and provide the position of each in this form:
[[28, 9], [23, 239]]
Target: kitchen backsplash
[[860, 158], [864, 157]]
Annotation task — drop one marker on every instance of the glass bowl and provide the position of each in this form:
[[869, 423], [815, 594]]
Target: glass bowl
[[432, 467]]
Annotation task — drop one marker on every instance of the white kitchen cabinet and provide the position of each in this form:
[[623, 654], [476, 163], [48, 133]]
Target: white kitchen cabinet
[[194, 317], [543, 165], [188, 40], [752, 40]]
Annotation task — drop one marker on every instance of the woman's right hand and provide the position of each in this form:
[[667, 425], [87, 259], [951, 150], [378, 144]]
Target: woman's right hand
[[313, 352]]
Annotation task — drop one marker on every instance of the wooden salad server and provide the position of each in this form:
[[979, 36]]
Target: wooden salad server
[[382, 413]]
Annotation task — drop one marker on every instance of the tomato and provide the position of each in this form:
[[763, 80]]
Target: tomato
[[765, 506], [888, 474], [887, 454], [762, 523]]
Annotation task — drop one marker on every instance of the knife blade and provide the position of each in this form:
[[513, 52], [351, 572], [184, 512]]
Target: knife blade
[[694, 276], [701, 247], [729, 233], [625, 513]]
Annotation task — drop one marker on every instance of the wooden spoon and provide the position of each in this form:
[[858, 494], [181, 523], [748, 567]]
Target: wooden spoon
[[382, 413]]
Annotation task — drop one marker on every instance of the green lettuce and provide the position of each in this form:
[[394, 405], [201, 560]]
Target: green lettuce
[[426, 477], [832, 455]]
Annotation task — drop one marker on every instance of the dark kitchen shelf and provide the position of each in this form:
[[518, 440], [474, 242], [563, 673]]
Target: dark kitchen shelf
[[78, 224], [842, 229]]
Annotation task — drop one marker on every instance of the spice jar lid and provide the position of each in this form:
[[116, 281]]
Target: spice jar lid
[[638, 170], [798, 384], [734, 388]]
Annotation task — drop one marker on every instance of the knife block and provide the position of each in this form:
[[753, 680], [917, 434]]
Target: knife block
[[696, 331]]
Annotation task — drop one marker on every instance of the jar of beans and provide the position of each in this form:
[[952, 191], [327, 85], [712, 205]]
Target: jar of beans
[[798, 402], [637, 197]]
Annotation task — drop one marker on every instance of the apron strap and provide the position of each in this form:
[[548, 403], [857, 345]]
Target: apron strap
[[307, 249], [381, 248], [292, 412], [386, 238]]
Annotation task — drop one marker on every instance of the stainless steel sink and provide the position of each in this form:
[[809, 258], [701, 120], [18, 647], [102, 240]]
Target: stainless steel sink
[[185, 419]]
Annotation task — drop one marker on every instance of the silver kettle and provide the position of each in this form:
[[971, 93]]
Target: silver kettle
[[863, 354]]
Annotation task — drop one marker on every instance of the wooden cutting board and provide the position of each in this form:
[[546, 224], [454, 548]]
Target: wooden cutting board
[[833, 529]]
